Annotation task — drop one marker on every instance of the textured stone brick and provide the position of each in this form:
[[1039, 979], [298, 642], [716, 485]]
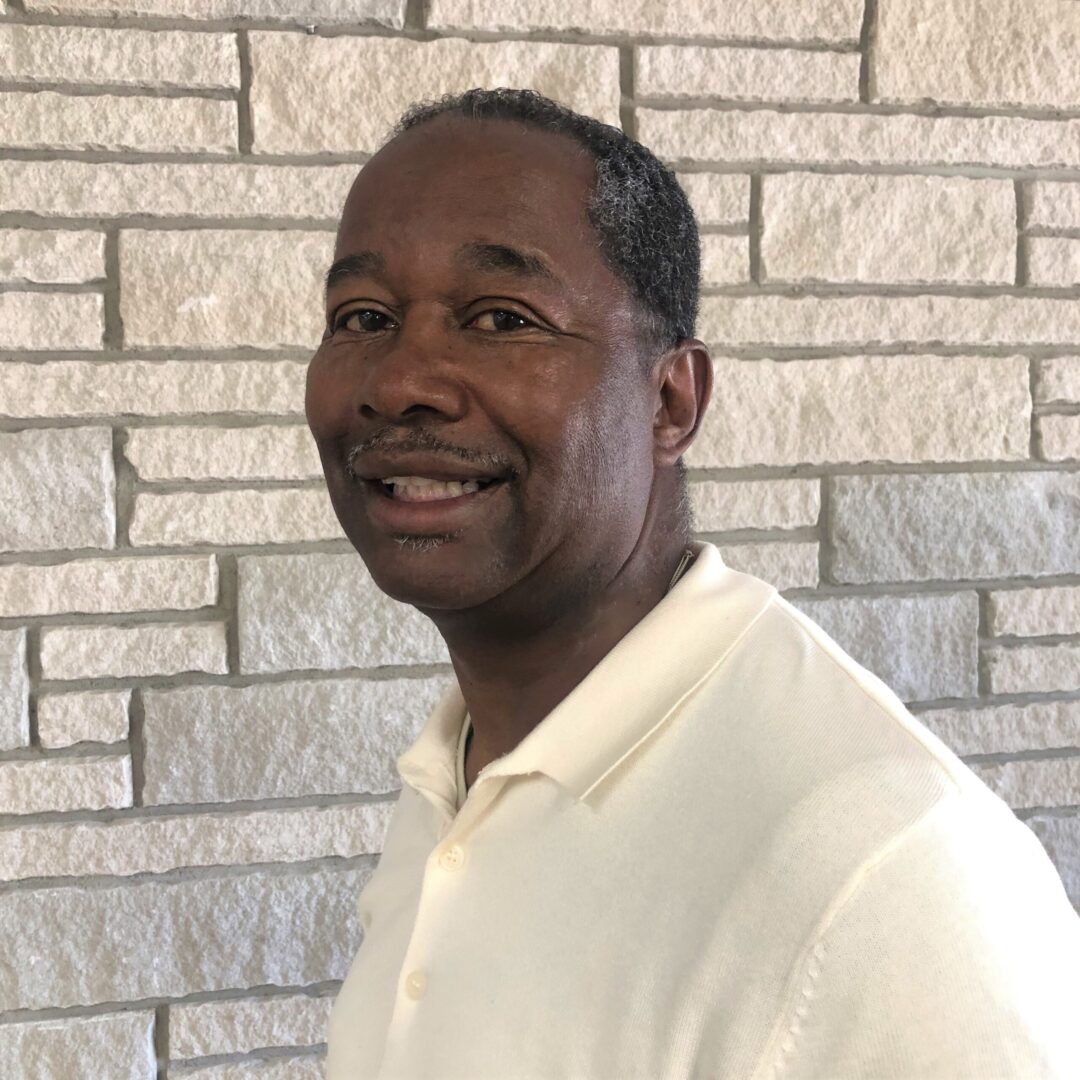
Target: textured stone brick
[[718, 198], [307, 1067], [175, 189], [45, 120], [763, 135], [281, 740], [1024, 784], [119, 1046], [782, 565], [268, 452], [75, 388], [956, 525], [1053, 260], [382, 12], [323, 611], [1053, 205], [240, 1025], [1061, 838], [923, 647], [279, 516], [154, 845], [817, 20], [1060, 437], [394, 73], [14, 690], [157, 939], [103, 585], [888, 228], [88, 652], [83, 54], [1032, 612], [195, 288], [48, 256], [1059, 380], [57, 488], [969, 52], [1034, 669], [671, 71], [755, 504], [91, 716], [1007, 729], [41, 320], [855, 408], [80, 783], [725, 260]]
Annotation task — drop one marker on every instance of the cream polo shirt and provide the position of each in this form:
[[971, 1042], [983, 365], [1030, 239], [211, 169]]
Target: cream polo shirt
[[730, 852]]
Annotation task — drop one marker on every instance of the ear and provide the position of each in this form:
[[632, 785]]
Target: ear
[[684, 377]]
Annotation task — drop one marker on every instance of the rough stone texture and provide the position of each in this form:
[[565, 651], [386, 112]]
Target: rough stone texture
[[1025, 784], [157, 844], [118, 1046], [88, 652], [168, 189], [1053, 260], [39, 320], [1033, 612], [762, 135], [219, 287], [784, 566], [1061, 838], [268, 452], [102, 585], [241, 1025], [74, 54], [725, 260], [324, 611], [1059, 380], [76, 388], [79, 783], [876, 408], [1034, 669], [923, 647], [888, 320], [718, 198], [1060, 437], [1053, 205], [755, 504], [955, 526], [279, 516], [155, 939], [360, 12], [969, 52], [49, 257], [815, 20], [1007, 729], [394, 73], [57, 489], [45, 120], [903, 229], [281, 740], [14, 690], [308, 1067], [91, 716]]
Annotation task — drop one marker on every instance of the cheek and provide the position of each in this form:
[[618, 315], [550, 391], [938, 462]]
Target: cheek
[[326, 399]]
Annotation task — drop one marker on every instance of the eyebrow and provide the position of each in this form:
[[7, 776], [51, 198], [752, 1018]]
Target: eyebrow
[[505, 259], [362, 264]]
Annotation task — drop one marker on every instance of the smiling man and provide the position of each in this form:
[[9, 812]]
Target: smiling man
[[660, 826]]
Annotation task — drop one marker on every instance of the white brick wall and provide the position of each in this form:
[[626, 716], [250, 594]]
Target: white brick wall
[[201, 692]]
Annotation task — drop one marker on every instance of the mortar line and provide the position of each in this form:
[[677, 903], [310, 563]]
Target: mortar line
[[89, 88], [756, 228], [1021, 228], [245, 118], [113, 332], [867, 42], [628, 90], [136, 742]]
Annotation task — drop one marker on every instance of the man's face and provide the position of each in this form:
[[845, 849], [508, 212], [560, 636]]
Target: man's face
[[475, 335]]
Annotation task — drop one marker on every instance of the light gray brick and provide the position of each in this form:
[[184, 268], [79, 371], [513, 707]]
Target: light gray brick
[[42, 320], [119, 1046], [755, 504], [1033, 612], [1060, 437], [1053, 205], [1059, 380], [1061, 838], [1053, 260], [64, 783], [1034, 669], [725, 260], [89, 716], [89, 652], [1007, 729], [1026, 784], [244, 1024], [782, 565], [955, 526], [47, 256], [718, 198], [57, 488], [14, 690], [299, 12]]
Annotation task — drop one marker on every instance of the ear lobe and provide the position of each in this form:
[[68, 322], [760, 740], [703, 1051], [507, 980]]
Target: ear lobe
[[685, 379]]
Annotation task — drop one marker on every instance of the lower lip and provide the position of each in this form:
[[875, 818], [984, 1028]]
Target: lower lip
[[427, 517]]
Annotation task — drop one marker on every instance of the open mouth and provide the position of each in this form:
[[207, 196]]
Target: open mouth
[[425, 489]]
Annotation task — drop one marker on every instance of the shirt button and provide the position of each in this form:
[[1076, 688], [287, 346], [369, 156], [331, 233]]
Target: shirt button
[[416, 984], [452, 857]]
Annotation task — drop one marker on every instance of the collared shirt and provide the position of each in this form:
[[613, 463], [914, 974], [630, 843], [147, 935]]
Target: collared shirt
[[729, 852]]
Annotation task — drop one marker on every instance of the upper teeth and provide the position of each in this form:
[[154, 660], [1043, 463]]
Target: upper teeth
[[421, 487]]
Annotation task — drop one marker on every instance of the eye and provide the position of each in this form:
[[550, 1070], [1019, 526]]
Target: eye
[[363, 321], [500, 320]]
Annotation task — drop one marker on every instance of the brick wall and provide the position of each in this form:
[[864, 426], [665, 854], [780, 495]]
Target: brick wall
[[201, 692]]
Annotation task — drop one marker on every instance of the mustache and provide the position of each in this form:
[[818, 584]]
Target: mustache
[[422, 440]]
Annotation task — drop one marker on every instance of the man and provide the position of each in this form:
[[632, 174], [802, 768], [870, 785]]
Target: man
[[660, 826]]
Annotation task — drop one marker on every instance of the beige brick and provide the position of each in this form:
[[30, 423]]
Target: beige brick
[[784, 565], [65, 783], [903, 229], [725, 260], [320, 611], [718, 198], [281, 740], [75, 54], [1053, 260], [14, 690], [671, 71], [36, 320], [57, 489], [1059, 380], [268, 452], [308, 1067], [755, 504], [91, 716], [1034, 669], [103, 585], [299, 12], [1032, 612], [815, 20], [763, 135], [218, 287], [1061, 838], [955, 526], [46, 256], [88, 652], [1025, 784], [279, 516], [393, 73], [76, 388], [1007, 729], [49, 121], [119, 1046], [1060, 437], [154, 939], [969, 52], [1053, 205], [154, 845], [923, 647], [877, 408]]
